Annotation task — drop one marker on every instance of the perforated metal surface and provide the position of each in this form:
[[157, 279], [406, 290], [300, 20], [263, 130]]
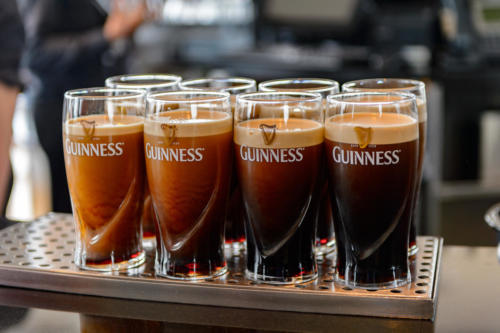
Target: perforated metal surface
[[39, 255]]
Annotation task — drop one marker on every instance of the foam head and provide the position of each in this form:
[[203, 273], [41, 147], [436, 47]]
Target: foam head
[[365, 128], [278, 133], [103, 125], [189, 123]]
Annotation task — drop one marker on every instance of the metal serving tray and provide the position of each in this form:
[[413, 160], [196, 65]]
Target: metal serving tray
[[39, 255]]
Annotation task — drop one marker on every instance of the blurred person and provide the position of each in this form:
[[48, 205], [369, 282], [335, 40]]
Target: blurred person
[[71, 44], [11, 40]]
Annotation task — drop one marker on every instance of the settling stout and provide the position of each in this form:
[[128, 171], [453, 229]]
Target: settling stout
[[278, 162], [188, 163], [105, 170]]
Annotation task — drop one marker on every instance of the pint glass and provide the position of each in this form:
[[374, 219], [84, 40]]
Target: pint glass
[[278, 140], [418, 89], [104, 157], [234, 227], [325, 235], [371, 143], [188, 148], [149, 83]]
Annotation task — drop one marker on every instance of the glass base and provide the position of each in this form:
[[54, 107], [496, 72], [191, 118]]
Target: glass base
[[413, 250], [234, 248], [137, 260], [193, 276], [326, 248], [384, 285], [149, 242], [280, 280]]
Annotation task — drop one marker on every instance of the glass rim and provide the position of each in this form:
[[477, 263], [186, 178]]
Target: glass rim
[[121, 80], [220, 96], [246, 83], [86, 94], [405, 97], [353, 86], [264, 86], [294, 97]]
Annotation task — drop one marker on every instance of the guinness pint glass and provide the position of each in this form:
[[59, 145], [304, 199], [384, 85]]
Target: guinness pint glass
[[188, 148], [371, 143], [234, 231], [418, 89], [104, 157], [278, 160], [325, 235], [149, 83]]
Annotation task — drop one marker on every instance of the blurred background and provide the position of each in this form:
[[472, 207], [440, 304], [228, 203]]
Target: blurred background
[[451, 45]]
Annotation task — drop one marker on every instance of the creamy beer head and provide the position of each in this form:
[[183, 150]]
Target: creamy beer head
[[103, 125], [187, 123], [278, 133], [365, 128]]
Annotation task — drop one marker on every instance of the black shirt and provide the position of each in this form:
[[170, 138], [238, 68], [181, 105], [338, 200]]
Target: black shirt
[[11, 42], [65, 45]]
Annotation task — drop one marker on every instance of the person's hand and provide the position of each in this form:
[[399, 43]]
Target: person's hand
[[123, 20]]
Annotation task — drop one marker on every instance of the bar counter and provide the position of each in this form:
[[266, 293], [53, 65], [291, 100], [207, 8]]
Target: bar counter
[[468, 301]]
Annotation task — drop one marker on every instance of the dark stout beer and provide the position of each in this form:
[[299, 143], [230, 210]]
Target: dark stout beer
[[278, 163], [105, 170], [188, 163], [372, 161]]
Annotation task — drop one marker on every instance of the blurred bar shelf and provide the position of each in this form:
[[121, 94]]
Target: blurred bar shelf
[[39, 255], [464, 190]]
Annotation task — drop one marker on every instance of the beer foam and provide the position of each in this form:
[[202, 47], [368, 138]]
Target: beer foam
[[103, 125], [289, 133], [378, 128], [189, 124]]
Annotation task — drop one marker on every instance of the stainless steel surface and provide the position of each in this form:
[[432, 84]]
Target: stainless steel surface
[[39, 255]]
